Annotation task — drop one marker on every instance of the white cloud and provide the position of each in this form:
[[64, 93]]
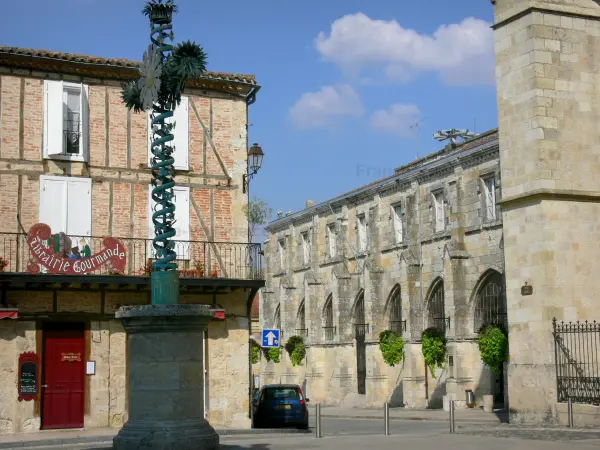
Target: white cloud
[[397, 119], [462, 53], [316, 109]]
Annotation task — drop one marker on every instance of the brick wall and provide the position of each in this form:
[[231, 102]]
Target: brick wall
[[118, 160]]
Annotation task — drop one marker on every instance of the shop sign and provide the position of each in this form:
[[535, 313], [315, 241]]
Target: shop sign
[[28, 376], [57, 256], [70, 357]]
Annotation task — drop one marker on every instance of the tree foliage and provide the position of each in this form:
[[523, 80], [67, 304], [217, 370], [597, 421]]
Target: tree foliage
[[258, 213], [391, 345]]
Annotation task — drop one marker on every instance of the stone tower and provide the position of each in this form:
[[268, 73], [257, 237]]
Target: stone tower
[[548, 80]]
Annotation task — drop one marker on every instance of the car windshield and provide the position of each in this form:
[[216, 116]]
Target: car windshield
[[281, 394]]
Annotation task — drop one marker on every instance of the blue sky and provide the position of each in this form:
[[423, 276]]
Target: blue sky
[[342, 79]]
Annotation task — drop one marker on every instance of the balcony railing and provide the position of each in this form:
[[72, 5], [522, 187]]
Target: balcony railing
[[303, 332], [195, 259], [329, 333]]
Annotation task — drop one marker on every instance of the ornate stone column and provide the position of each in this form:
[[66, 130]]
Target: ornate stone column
[[165, 375]]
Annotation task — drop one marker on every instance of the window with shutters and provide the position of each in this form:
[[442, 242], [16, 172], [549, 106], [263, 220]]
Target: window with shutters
[[397, 218], [331, 240], [362, 232], [66, 207], [182, 222], [181, 136], [439, 211], [305, 238], [489, 185], [66, 120]]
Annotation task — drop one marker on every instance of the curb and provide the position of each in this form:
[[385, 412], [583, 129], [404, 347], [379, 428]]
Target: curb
[[57, 441]]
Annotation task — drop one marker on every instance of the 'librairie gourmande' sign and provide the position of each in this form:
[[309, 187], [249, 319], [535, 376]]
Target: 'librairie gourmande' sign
[[56, 254]]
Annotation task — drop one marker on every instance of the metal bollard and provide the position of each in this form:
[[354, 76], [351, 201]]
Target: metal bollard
[[570, 413], [386, 417], [452, 416], [318, 419]]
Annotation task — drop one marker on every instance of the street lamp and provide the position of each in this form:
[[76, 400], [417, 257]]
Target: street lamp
[[255, 158]]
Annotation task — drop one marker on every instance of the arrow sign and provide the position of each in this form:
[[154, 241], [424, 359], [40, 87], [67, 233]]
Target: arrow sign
[[270, 338]]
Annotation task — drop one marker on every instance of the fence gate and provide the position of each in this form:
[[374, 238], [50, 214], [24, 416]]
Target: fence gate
[[361, 329], [577, 353]]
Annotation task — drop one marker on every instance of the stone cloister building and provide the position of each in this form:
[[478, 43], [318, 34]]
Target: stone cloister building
[[418, 249]]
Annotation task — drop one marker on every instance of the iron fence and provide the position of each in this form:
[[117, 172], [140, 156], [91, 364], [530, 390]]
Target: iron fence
[[577, 354], [195, 259]]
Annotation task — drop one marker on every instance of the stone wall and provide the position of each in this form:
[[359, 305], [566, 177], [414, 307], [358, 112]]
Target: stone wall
[[546, 57], [106, 403], [462, 255]]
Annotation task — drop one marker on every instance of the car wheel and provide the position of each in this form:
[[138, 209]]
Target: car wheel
[[304, 426]]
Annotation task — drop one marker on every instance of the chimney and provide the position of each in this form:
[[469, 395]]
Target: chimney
[[310, 203]]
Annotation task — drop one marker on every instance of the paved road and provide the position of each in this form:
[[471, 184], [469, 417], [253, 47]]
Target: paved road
[[360, 434]]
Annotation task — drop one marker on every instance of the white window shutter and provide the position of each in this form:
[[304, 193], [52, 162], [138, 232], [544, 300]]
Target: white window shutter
[[53, 203], [79, 207], [85, 122], [182, 135], [53, 118], [182, 221]]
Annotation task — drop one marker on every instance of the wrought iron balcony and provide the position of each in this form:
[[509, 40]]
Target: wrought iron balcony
[[398, 326], [303, 332], [195, 259], [441, 323], [329, 333]]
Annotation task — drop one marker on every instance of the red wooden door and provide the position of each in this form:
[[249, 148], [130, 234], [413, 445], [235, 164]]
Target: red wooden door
[[63, 378]]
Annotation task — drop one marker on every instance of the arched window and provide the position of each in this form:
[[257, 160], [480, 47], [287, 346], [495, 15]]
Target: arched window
[[301, 321], [490, 301], [436, 306], [358, 319], [395, 311], [328, 316]]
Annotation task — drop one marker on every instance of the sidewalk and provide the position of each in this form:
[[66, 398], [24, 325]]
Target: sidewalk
[[475, 415], [104, 436]]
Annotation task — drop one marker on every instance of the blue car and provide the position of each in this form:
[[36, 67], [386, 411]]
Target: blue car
[[280, 405]]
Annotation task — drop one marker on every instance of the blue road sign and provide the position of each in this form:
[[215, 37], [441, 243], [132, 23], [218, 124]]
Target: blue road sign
[[270, 338]]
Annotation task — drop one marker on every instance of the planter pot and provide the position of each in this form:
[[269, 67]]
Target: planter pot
[[488, 403]]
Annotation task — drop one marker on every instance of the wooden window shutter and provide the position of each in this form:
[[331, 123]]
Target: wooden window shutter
[[53, 118]]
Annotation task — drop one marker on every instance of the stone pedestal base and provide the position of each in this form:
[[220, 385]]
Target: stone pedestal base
[[166, 375], [167, 435]]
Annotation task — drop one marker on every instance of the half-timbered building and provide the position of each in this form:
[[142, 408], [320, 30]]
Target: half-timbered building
[[73, 157]]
